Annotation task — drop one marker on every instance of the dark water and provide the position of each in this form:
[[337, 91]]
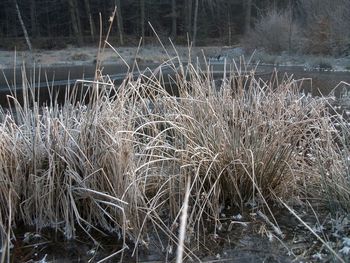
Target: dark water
[[57, 73], [56, 82], [318, 82], [53, 82]]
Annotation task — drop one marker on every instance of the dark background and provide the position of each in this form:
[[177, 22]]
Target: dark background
[[307, 26], [54, 23]]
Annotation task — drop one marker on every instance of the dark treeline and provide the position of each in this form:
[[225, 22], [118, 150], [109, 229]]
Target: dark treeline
[[54, 23]]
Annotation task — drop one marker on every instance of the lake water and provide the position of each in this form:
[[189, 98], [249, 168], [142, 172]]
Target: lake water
[[315, 82]]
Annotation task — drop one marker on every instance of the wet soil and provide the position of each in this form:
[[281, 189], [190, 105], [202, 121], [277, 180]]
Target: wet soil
[[237, 238]]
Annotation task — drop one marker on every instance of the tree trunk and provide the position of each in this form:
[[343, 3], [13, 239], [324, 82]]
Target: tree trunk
[[248, 14], [33, 25], [77, 15], [274, 5], [48, 21], [229, 27], [74, 20], [142, 10], [189, 17], [120, 22], [173, 21], [290, 6], [89, 15], [195, 23], [23, 26]]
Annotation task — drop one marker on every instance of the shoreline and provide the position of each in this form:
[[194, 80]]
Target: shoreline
[[151, 54]]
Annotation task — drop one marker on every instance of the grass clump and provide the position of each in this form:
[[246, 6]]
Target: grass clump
[[126, 161], [333, 165]]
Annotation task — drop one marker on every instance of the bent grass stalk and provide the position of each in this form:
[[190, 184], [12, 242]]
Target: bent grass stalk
[[183, 223]]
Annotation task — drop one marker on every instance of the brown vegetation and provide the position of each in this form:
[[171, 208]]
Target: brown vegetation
[[121, 163], [309, 27], [275, 32]]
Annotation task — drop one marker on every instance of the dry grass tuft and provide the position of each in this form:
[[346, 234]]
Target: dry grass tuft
[[332, 153], [121, 163]]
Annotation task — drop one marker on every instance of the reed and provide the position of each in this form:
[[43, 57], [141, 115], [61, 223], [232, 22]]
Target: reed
[[122, 162]]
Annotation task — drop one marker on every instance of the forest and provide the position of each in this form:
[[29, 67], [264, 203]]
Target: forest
[[79, 20], [54, 24]]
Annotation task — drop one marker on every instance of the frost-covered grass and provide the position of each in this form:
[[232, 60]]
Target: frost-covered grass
[[122, 162]]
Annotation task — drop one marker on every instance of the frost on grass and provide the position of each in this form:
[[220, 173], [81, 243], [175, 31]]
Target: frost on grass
[[119, 163]]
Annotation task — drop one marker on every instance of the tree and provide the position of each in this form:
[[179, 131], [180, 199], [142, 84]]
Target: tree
[[33, 25], [195, 19], [173, 20], [75, 20], [248, 14], [89, 15], [207, 4], [327, 24], [189, 16]]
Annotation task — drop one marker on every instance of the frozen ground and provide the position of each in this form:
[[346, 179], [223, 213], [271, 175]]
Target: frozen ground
[[156, 54], [88, 55]]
